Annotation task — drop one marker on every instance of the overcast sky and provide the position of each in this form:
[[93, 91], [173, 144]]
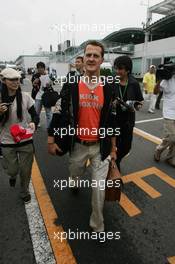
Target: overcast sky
[[26, 25]]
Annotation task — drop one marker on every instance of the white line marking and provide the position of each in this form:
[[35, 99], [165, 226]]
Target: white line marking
[[149, 120], [41, 245]]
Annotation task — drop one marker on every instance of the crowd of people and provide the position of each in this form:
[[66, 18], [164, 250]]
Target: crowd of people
[[88, 105]]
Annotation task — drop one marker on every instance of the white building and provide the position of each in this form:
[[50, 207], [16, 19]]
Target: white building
[[30, 61], [151, 44]]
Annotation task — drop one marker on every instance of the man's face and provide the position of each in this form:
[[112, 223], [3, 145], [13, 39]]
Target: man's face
[[41, 70], [152, 70], [122, 73], [93, 58], [78, 64]]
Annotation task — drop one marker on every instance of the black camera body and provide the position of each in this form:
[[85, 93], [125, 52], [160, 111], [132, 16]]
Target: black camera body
[[129, 105], [165, 71]]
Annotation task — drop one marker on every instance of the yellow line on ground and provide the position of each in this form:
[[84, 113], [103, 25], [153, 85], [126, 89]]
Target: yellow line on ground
[[62, 251], [130, 208], [171, 260], [164, 177], [137, 178], [139, 174], [147, 136], [147, 188]]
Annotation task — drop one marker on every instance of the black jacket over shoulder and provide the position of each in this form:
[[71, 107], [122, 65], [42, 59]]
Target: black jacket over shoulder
[[70, 108]]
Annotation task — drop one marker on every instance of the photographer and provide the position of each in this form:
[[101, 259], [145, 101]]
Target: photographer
[[128, 91], [18, 120], [167, 85]]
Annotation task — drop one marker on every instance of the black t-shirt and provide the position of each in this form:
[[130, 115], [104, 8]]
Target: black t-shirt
[[132, 93]]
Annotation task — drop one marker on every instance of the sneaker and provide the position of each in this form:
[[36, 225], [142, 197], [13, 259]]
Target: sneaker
[[27, 199], [170, 151], [157, 155], [12, 182], [150, 111]]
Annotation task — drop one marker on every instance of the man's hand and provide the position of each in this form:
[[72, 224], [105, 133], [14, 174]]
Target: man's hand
[[138, 105], [53, 148], [113, 154]]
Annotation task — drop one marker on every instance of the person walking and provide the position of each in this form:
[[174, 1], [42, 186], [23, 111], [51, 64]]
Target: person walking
[[90, 98], [168, 141], [18, 121], [149, 82], [41, 82], [127, 90]]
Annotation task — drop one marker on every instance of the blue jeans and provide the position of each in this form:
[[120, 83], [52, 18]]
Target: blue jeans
[[38, 107]]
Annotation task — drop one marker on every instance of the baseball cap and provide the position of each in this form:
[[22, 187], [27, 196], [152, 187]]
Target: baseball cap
[[10, 73], [152, 66]]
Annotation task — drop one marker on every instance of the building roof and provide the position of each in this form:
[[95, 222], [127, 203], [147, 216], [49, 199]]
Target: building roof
[[32, 56], [163, 8], [126, 35], [163, 28]]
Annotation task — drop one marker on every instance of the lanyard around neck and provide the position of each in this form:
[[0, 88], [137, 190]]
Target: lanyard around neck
[[122, 95]]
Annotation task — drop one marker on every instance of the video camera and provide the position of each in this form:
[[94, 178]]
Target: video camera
[[165, 71]]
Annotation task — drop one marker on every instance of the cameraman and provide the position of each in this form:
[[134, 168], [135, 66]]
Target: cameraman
[[168, 142]]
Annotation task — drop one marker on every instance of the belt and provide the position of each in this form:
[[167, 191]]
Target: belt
[[86, 143]]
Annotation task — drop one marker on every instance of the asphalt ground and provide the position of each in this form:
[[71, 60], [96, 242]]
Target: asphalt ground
[[145, 218], [15, 241]]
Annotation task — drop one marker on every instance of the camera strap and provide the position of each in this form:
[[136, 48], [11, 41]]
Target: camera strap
[[120, 91]]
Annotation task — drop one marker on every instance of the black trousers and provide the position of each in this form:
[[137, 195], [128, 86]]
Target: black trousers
[[124, 142], [158, 99]]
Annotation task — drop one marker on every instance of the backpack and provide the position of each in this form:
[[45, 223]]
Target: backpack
[[49, 97]]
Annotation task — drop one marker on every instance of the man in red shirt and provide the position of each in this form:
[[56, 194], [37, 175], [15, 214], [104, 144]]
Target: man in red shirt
[[90, 100]]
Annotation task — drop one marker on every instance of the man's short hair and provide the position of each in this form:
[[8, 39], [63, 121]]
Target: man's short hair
[[79, 58], [40, 64], [123, 62], [95, 43]]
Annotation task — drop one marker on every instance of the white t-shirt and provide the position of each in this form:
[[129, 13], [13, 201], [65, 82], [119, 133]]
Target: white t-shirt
[[168, 88], [44, 79]]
